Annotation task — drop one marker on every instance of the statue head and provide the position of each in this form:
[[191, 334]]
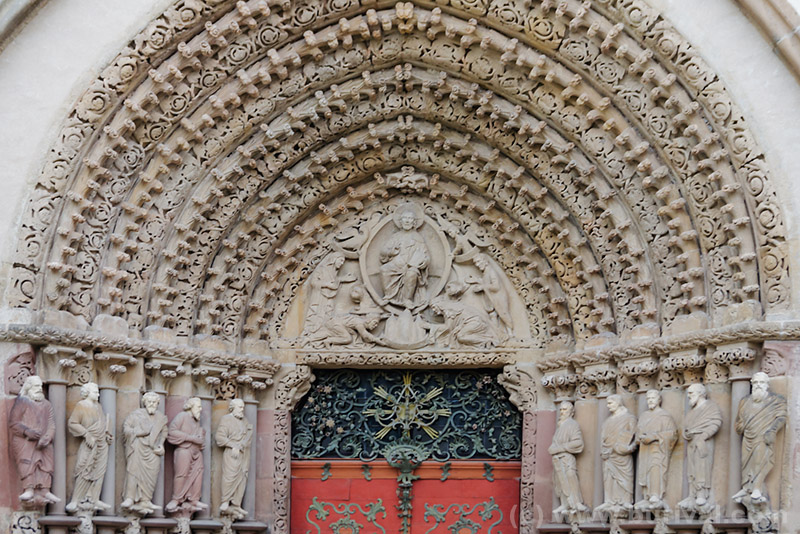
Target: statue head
[[696, 393], [653, 398], [90, 391], [236, 407], [760, 386], [32, 389], [614, 403], [336, 259], [566, 411], [150, 401], [194, 406], [408, 217]]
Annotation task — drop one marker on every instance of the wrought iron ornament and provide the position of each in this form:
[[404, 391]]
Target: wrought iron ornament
[[453, 415]]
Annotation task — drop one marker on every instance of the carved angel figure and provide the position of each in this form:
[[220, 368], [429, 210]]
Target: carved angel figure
[[90, 423], [145, 430], [405, 258], [32, 428]]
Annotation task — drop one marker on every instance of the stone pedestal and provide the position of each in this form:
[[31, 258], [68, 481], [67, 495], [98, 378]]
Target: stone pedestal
[[157, 525], [59, 524], [249, 527], [205, 526], [106, 524]]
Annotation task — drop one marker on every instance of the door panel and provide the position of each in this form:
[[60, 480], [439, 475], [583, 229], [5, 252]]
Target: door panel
[[345, 502]]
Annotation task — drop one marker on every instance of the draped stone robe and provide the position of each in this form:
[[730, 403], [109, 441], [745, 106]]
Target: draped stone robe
[[34, 463], [188, 457], [702, 422], [617, 441], [754, 421], [567, 442], [88, 419], [232, 434], [654, 456], [144, 433]]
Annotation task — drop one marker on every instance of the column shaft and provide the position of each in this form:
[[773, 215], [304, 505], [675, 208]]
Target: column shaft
[[205, 421], [249, 500], [108, 400], [57, 393]]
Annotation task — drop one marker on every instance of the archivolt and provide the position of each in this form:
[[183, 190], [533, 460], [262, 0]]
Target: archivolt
[[212, 163]]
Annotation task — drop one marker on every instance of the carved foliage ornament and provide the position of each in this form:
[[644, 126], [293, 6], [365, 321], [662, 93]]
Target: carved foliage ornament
[[668, 149]]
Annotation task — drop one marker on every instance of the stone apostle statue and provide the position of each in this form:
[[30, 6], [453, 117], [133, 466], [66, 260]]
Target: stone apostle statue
[[32, 427], [567, 442], [189, 438], [702, 423], [234, 435], [656, 435], [93, 426], [145, 431], [616, 450], [761, 415]]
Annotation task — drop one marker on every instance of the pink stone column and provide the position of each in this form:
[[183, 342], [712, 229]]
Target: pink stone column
[[543, 496], [527, 509]]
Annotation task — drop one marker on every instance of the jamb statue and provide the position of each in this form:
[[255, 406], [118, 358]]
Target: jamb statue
[[567, 442], [760, 417], [656, 435], [32, 428], [188, 436], [145, 431], [88, 421], [702, 423], [234, 435], [616, 450]]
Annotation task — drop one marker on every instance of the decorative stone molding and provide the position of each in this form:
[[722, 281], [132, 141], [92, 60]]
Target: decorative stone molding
[[779, 357], [292, 387], [521, 386], [109, 366], [416, 359], [641, 370], [161, 372], [18, 368], [602, 378]]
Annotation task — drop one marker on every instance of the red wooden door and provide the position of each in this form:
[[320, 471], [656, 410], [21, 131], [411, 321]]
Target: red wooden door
[[352, 497]]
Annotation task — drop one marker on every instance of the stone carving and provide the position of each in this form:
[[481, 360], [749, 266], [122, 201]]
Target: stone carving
[[18, 369], [145, 430], [400, 296], [293, 387], [234, 435], [701, 425], [656, 435], [761, 415], [89, 423], [32, 429], [618, 441], [567, 443], [188, 436], [404, 261], [521, 387]]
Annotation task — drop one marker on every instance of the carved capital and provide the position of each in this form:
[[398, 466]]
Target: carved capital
[[738, 358], [161, 371], [778, 356], [521, 387], [293, 386], [642, 370], [109, 366], [206, 380], [561, 384], [602, 377], [58, 361], [689, 363]]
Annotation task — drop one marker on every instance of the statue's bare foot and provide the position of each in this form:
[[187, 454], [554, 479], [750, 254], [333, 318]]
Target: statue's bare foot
[[49, 497], [199, 506], [172, 506], [757, 496], [100, 505], [127, 503], [223, 507], [26, 495], [71, 507]]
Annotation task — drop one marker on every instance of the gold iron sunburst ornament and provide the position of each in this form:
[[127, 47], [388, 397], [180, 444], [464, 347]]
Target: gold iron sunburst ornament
[[410, 408]]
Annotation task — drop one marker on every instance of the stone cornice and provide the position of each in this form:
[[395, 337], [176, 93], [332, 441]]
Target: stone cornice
[[773, 330], [45, 334]]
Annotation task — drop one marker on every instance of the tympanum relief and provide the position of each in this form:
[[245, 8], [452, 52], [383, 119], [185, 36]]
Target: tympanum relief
[[407, 278]]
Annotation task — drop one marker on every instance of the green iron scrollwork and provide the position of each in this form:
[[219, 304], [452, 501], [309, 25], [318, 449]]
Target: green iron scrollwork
[[463, 524], [453, 414], [405, 458], [345, 524]]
